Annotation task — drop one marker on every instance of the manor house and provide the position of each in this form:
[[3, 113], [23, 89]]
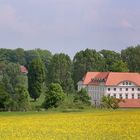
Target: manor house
[[124, 85]]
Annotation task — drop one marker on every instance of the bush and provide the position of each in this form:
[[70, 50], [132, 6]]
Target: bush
[[82, 97], [54, 96], [110, 102]]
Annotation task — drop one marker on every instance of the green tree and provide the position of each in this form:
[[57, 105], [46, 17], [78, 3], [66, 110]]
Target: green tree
[[21, 97], [60, 72], [84, 61], [5, 54], [83, 97], [111, 59], [18, 56], [54, 96], [15, 85], [119, 66], [131, 56], [111, 102], [36, 77], [4, 99], [10, 74]]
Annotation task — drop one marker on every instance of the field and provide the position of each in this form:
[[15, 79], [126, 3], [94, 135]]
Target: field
[[89, 125]]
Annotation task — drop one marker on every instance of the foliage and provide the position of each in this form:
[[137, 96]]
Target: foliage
[[60, 72], [4, 98], [82, 96], [131, 56], [21, 97], [15, 85], [10, 77], [110, 58], [84, 61], [119, 66], [36, 77], [54, 96], [110, 102], [18, 56]]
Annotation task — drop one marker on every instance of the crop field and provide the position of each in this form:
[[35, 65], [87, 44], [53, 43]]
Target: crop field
[[95, 125]]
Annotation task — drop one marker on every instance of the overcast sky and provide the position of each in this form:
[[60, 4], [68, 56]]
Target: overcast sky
[[69, 25]]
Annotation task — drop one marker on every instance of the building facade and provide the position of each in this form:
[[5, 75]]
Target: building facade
[[119, 85]]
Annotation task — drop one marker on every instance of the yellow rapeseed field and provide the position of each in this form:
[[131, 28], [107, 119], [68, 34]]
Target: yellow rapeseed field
[[98, 125]]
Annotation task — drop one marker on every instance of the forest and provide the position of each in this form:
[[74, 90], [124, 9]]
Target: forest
[[51, 81]]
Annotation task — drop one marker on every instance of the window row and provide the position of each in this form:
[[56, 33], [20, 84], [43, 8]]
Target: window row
[[126, 89], [132, 96]]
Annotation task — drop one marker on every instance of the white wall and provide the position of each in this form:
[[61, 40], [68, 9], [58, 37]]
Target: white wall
[[96, 92], [121, 89]]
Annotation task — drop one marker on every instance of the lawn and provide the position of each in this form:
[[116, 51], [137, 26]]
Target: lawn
[[88, 125]]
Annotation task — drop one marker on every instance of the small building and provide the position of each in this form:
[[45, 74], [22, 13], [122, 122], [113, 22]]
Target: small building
[[124, 85], [23, 69]]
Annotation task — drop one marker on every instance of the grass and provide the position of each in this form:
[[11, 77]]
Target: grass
[[94, 124]]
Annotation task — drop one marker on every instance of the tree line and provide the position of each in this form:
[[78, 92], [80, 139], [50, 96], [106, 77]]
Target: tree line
[[55, 76]]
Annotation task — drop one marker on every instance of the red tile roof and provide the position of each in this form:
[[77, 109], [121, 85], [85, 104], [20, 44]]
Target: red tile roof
[[133, 103], [23, 69], [88, 77], [111, 78], [115, 78]]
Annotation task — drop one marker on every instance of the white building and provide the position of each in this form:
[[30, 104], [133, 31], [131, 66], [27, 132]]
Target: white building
[[120, 85]]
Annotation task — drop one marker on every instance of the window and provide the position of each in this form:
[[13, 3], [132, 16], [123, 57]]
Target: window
[[120, 96], [126, 89], [109, 95], [138, 89], [114, 89], [123, 83], [126, 96], [126, 83], [108, 89], [129, 83], [120, 89], [132, 89], [132, 96], [114, 95], [139, 96]]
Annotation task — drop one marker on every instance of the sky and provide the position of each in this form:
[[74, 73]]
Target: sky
[[69, 26]]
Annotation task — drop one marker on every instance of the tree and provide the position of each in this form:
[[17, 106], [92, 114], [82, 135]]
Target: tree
[[119, 66], [131, 56], [84, 61], [15, 85], [82, 96], [36, 77], [21, 97], [60, 72], [111, 59], [54, 96], [10, 77], [111, 102], [30, 55], [4, 98], [18, 56], [5, 54]]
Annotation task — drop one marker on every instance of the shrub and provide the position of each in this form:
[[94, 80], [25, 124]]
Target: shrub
[[54, 96]]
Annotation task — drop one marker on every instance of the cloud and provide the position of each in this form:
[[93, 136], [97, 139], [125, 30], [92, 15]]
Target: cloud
[[126, 24]]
